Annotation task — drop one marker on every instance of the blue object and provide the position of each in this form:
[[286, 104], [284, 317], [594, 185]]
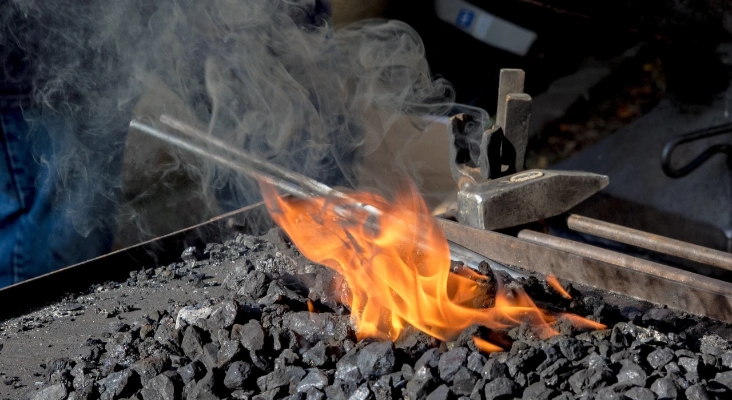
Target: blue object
[[465, 18], [37, 234]]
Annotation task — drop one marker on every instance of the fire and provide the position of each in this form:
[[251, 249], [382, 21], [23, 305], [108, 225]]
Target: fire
[[554, 284], [398, 275]]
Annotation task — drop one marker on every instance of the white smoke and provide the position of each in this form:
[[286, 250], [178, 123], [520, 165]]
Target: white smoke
[[271, 77]]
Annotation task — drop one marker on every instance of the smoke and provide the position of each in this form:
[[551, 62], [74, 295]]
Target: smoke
[[271, 77]]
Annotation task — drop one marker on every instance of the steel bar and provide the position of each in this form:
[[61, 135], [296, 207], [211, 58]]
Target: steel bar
[[287, 181], [621, 260], [656, 283], [285, 186], [257, 164], [316, 187], [650, 241]]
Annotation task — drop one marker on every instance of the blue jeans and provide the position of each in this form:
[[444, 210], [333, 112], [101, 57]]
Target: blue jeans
[[38, 234]]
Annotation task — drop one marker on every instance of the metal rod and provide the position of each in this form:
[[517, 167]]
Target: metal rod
[[316, 187], [286, 187], [650, 241], [252, 166], [623, 260], [683, 291]]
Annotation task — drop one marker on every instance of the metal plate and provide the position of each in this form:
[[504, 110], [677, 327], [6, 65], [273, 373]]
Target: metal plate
[[27, 295]]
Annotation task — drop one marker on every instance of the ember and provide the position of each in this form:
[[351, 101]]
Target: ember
[[397, 275]]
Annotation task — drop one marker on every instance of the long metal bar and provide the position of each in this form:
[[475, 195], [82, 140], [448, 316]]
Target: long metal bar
[[660, 284], [650, 241], [256, 163], [623, 260], [285, 186], [289, 181]]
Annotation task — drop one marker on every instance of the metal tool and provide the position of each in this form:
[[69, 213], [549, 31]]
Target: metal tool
[[494, 190], [671, 145], [649, 241], [525, 197]]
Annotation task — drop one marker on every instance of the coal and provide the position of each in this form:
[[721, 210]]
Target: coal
[[317, 355], [119, 385], [162, 387], [665, 388], [192, 344], [420, 384], [205, 389], [148, 368], [633, 374], [451, 361], [314, 394], [192, 371], [539, 391], [315, 379], [494, 369], [640, 393], [320, 326], [253, 338], [210, 355], [53, 392], [441, 393], [476, 361], [238, 375], [347, 367], [376, 359], [224, 316], [589, 379], [280, 378], [500, 388], [463, 381], [572, 349], [430, 359], [660, 357]]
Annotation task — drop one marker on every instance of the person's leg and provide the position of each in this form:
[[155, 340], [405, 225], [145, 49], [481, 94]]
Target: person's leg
[[55, 221], [11, 206]]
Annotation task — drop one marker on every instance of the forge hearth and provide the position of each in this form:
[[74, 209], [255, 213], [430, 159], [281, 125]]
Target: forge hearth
[[252, 319]]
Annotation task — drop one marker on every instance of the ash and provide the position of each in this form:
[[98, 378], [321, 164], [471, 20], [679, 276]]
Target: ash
[[232, 322]]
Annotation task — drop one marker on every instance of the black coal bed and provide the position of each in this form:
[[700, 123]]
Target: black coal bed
[[250, 318]]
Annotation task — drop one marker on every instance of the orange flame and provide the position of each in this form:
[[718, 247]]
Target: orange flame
[[486, 346], [398, 275], [554, 284]]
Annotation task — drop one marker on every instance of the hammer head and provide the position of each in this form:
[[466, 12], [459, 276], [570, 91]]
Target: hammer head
[[525, 197]]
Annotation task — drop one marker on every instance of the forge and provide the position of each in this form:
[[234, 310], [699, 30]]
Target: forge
[[242, 314], [321, 293], [494, 285]]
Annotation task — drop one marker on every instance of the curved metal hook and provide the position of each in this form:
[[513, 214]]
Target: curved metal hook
[[724, 148]]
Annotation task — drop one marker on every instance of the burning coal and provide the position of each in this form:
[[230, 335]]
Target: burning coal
[[399, 276]]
